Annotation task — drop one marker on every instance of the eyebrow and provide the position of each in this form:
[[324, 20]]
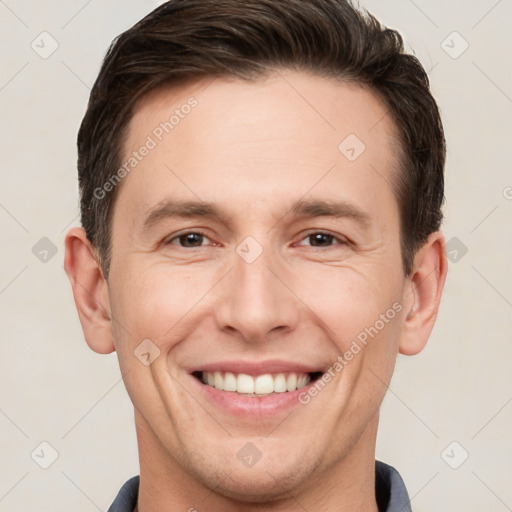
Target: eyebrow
[[171, 208], [177, 208], [337, 209]]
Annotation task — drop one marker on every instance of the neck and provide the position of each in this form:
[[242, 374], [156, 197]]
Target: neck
[[346, 485]]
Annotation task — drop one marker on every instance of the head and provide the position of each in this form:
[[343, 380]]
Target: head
[[261, 186]]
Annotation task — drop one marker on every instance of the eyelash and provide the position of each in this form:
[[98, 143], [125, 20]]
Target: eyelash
[[340, 240]]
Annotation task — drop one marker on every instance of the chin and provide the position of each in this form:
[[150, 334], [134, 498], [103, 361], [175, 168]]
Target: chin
[[270, 480], [259, 487]]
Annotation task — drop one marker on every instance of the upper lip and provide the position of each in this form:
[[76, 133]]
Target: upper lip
[[257, 368]]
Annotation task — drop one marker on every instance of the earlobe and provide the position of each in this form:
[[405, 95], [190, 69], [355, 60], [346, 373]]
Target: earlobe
[[422, 295], [90, 291]]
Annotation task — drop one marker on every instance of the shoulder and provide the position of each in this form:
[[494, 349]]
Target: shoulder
[[390, 489], [126, 498]]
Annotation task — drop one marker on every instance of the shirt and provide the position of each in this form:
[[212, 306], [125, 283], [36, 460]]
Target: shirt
[[390, 492]]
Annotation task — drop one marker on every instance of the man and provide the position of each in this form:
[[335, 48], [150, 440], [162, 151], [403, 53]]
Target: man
[[261, 190]]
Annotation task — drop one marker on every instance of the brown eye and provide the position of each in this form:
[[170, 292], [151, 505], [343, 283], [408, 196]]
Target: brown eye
[[188, 240], [320, 239]]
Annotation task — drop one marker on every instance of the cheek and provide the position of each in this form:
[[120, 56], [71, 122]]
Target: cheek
[[156, 302], [348, 302]]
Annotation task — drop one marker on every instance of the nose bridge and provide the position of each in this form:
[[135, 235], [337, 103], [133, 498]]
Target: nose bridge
[[256, 301]]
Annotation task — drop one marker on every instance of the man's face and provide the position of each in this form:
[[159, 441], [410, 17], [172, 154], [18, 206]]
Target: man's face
[[271, 285]]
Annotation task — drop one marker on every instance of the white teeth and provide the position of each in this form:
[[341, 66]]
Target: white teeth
[[244, 384], [291, 382], [264, 384], [229, 382], [301, 381], [259, 385], [280, 383]]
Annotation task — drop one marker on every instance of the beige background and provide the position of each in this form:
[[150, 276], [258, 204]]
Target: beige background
[[54, 389]]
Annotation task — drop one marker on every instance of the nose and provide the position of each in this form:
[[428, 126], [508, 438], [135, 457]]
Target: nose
[[256, 302]]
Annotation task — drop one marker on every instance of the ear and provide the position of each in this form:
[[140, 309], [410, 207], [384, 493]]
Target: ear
[[422, 294], [90, 291]]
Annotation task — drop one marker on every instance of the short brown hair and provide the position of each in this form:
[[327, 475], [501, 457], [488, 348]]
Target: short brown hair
[[188, 39]]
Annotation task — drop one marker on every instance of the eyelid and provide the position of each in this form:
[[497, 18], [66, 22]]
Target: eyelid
[[340, 239], [175, 236]]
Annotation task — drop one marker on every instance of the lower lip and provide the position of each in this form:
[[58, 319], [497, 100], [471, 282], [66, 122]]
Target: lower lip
[[252, 406]]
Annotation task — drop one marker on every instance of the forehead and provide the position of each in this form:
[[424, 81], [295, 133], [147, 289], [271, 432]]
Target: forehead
[[286, 129], [322, 105]]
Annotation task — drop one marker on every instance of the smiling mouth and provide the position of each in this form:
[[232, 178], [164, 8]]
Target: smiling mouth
[[256, 385]]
